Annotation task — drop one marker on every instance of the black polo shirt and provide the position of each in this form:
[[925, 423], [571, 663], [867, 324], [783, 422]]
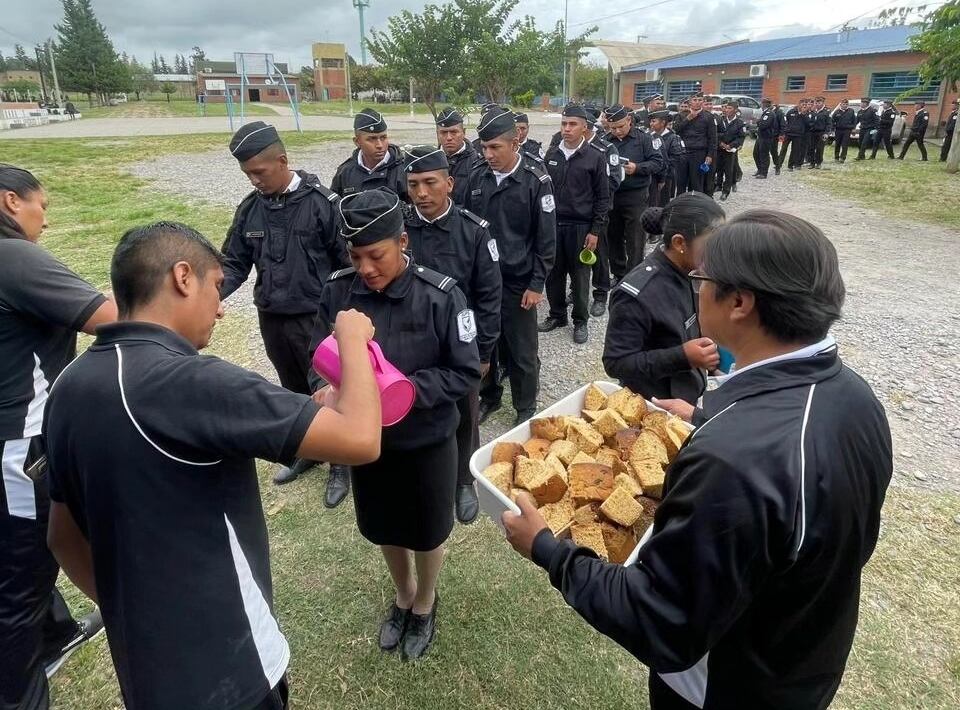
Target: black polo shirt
[[152, 447]]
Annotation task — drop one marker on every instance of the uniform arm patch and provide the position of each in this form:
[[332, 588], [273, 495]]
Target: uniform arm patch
[[547, 203], [466, 326]]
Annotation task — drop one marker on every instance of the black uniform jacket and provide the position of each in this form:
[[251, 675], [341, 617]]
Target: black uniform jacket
[[351, 178], [653, 312], [292, 240], [532, 148], [844, 120], [795, 123], [459, 245], [820, 121], [920, 121], [638, 148], [868, 119], [615, 174], [732, 132], [887, 117], [522, 214], [698, 133], [672, 150], [951, 124], [461, 164], [425, 328], [580, 185], [751, 577], [767, 125]]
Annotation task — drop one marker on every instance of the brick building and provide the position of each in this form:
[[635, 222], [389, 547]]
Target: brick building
[[329, 71], [216, 78], [878, 63]]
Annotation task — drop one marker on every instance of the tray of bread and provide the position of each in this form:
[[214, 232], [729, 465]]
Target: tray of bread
[[593, 462]]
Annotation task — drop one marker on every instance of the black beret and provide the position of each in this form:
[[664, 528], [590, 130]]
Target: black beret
[[369, 121], [729, 102], [449, 117], [665, 114], [495, 122], [647, 99], [765, 100], [656, 96], [696, 95], [487, 107], [370, 216], [865, 100], [252, 139], [616, 113], [521, 117], [575, 111], [425, 158], [592, 112]]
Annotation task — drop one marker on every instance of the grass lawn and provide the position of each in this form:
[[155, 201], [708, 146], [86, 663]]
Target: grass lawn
[[341, 107], [162, 109], [505, 639]]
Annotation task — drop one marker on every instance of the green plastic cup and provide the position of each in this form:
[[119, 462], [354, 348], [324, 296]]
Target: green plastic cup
[[588, 257]]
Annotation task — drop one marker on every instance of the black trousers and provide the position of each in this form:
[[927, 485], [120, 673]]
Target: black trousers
[[726, 170], [517, 351], [468, 435], [600, 271], [663, 697], [815, 148], [286, 339], [866, 141], [276, 699], [796, 145], [765, 152], [886, 138], [570, 239], [918, 139], [841, 140], [689, 177], [945, 148], [625, 235]]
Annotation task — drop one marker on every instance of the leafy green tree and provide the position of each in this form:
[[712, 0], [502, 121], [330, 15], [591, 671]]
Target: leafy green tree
[[22, 88], [86, 59], [3, 62], [307, 82], [168, 88], [141, 79], [25, 61], [590, 82]]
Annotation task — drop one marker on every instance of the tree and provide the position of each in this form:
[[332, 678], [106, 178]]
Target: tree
[[23, 59], [22, 88], [155, 64], [3, 62], [86, 59], [196, 55], [168, 87], [939, 40], [590, 81], [164, 67], [141, 79], [307, 82]]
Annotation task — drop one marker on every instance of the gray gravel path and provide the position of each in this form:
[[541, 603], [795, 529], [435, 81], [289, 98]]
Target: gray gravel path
[[899, 329]]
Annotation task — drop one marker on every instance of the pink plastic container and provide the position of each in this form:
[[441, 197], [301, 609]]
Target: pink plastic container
[[397, 393]]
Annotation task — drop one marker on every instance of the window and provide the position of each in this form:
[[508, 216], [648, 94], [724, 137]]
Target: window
[[889, 85], [645, 88], [331, 63], [678, 90], [742, 87], [836, 82], [796, 83]]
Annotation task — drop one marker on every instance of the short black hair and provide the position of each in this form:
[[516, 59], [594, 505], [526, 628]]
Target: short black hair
[[145, 255], [691, 214], [22, 183], [790, 266]]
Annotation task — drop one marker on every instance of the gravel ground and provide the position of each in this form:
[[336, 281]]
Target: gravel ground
[[898, 331]]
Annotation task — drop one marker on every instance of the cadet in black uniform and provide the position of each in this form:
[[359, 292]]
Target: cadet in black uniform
[[641, 114], [844, 121], [730, 136], [869, 122], [375, 163], [653, 343], [600, 272], [671, 148], [949, 130], [819, 125], [885, 132], [286, 228], [460, 153], [454, 241], [527, 145], [765, 148], [43, 305], [476, 142], [515, 195], [794, 131], [404, 501], [579, 170], [698, 131], [917, 130]]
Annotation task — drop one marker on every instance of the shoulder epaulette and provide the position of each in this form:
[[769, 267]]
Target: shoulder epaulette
[[537, 168], [474, 217], [435, 278], [635, 281], [326, 192], [340, 273]]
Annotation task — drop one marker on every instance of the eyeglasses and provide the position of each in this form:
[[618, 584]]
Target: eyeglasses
[[697, 278]]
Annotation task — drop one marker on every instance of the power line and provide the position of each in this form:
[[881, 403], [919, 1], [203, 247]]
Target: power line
[[618, 14], [19, 39]]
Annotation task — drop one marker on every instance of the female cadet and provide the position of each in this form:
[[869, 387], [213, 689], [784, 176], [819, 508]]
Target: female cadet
[[405, 500], [653, 342], [42, 306]]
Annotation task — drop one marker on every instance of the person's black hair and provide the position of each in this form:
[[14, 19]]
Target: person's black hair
[[691, 214], [22, 183], [790, 266], [145, 255]]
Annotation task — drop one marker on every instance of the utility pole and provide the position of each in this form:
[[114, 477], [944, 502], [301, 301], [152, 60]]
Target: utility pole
[[411, 97], [563, 95], [361, 5], [349, 85], [53, 71], [43, 83]]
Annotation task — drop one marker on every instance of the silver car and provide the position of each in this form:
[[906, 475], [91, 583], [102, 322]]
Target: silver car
[[750, 109], [899, 121]]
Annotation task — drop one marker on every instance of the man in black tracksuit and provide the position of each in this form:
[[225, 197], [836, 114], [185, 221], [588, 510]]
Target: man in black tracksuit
[[731, 132], [819, 125], [698, 131], [460, 154], [920, 120], [885, 132], [794, 131], [375, 163], [600, 271], [949, 130], [579, 170], [672, 150], [287, 229], [844, 120], [869, 123], [745, 591], [768, 128]]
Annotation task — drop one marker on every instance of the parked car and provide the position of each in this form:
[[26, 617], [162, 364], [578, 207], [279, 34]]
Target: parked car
[[899, 122], [750, 109]]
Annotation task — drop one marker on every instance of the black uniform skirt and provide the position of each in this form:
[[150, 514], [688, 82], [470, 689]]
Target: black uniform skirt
[[406, 498]]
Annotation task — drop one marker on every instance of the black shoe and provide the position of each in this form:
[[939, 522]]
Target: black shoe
[[292, 473], [859, 157], [486, 409], [734, 187], [900, 158], [88, 627], [524, 416], [724, 196], [338, 485], [777, 170], [580, 333], [550, 323], [873, 157], [760, 177], [789, 169], [468, 506], [393, 628], [419, 634], [598, 308]]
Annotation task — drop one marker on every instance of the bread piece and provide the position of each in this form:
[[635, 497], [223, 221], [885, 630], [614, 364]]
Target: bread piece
[[620, 542], [542, 480], [591, 415], [619, 398], [515, 493], [590, 481], [557, 465], [586, 513], [507, 452], [558, 515], [527, 470], [650, 476], [549, 428], [564, 450], [594, 398], [633, 410], [607, 456], [628, 482], [537, 448], [581, 458], [677, 433], [584, 436], [648, 448], [500, 475], [646, 517], [625, 440], [621, 508], [590, 535], [609, 423]]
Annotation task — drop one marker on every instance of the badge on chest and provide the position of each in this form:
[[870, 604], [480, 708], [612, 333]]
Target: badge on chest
[[254, 235], [466, 326]]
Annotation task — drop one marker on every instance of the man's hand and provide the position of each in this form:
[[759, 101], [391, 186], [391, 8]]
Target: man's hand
[[327, 396], [530, 299], [630, 168], [484, 369], [591, 242], [353, 324], [523, 529], [702, 352], [708, 160], [678, 407]]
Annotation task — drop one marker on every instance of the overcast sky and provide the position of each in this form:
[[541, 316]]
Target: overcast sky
[[288, 27]]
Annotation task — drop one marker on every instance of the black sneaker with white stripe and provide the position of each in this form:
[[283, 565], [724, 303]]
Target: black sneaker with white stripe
[[88, 628]]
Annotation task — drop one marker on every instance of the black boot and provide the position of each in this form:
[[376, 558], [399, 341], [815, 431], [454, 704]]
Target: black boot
[[550, 323], [292, 472], [338, 485], [598, 307], [468, 506], [486, 409], [419, 635], [393, 628]]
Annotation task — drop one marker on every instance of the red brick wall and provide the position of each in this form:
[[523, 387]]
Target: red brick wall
[[269, 93], [333, 80]]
